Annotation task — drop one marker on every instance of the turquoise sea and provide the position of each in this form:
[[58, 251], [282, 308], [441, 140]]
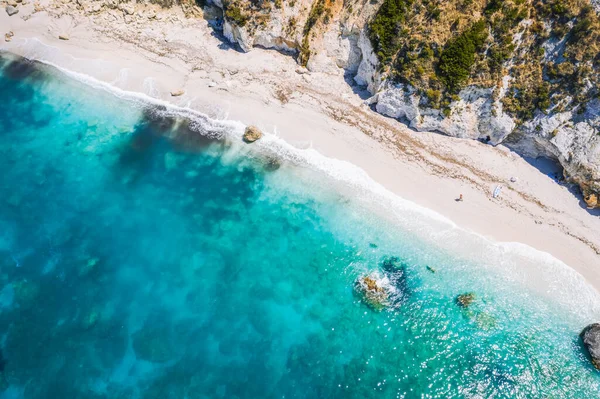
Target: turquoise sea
[[146, 252]]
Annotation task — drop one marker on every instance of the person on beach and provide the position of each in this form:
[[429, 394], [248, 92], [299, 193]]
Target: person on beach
[[460, 198]]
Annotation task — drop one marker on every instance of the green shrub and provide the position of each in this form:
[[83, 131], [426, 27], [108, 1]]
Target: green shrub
[[234, 14], [458, 56], [385, 28], [316, 11]]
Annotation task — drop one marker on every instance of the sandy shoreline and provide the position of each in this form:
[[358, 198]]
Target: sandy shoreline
[[322, 112]]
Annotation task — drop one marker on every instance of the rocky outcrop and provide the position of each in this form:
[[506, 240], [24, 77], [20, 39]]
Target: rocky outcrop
[[375, 290], [251, 134], [591, 341], [475, 114], [465, 300]]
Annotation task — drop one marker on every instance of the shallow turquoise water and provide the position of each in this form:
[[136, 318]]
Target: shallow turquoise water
[[140, 258]]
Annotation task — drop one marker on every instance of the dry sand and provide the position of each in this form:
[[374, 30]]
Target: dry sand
[[320, 111]]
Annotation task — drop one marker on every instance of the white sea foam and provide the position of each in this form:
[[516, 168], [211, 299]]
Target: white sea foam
[[518, 262]]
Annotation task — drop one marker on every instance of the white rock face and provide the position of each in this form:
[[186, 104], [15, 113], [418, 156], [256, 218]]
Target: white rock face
[[476, 115], [570, 138], [367, 74], [238, 35]]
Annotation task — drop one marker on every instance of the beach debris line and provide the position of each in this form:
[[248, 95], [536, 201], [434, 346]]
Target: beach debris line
[[251, 134], [465, 300], [591, 341]]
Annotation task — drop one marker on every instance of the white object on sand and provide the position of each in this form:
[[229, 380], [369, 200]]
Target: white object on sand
[[497, 191]]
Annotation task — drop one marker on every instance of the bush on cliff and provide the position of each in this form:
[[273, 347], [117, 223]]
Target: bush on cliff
[[385, 29], [459, 55]]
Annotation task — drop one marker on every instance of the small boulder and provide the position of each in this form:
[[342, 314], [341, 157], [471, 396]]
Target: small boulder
[[591, 341], [63, 37], [591, 201], [11, 10], [252, 134], [465, 300], [178, 93], [8, 36]]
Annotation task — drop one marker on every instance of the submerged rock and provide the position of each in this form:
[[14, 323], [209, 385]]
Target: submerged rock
[[90, 319], [252, 134], [465, 300], [591, 341], [88, 266]]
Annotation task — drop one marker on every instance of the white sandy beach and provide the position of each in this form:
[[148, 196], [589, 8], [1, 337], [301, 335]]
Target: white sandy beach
[[321, 111]]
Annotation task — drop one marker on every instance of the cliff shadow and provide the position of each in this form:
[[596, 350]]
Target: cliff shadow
[[554, 171], [360, 91]]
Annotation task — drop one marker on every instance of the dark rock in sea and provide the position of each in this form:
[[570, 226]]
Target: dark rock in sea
[[591, 341], [10, 10], [465, 300], [251, 134]]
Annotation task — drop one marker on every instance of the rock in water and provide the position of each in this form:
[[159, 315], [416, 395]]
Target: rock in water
[[10, 10], [252, 134], [464, 300], [377, 291], [591, 340]]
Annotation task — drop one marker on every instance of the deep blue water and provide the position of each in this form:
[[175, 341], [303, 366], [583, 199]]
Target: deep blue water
[[144, 255]]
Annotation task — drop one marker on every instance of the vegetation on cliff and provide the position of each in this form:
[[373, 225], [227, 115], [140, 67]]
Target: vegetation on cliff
[[549, 48]]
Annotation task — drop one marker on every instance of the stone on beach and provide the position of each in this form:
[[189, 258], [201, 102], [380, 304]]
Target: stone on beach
[[591, 341], [178, 93], [63, 37], [8, 36], [252, 134], [591, 201], [11, 10]]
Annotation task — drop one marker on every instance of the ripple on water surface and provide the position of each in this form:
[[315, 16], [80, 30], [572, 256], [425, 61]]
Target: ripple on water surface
[[147, 255]]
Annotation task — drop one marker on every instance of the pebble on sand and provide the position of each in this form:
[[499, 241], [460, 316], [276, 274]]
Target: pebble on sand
[[11, 10]]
